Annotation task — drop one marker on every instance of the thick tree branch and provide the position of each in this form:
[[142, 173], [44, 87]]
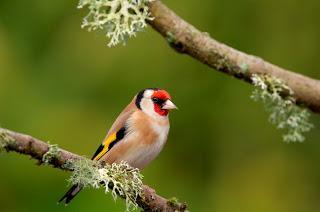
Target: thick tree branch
[[25, 144], [186, 39]]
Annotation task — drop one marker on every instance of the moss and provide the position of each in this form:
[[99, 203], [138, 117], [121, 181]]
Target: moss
[[221, 62], [51, 154], [120, 179], [119, 19], [206, 34], [173, 201], [278, 100], [170, 38], [174, 43]]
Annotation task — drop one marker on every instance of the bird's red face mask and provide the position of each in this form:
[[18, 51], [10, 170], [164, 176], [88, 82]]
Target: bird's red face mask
[[162, 102]]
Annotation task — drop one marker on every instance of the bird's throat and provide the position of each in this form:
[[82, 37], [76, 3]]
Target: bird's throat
[[161, 112]]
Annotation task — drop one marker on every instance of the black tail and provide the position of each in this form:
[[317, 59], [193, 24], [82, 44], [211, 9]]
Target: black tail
[[73, 191]]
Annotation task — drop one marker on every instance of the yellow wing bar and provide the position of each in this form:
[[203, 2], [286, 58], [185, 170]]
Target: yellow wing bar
[[106, 144]]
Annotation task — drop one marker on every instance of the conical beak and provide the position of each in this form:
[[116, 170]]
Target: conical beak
[[168, 105]]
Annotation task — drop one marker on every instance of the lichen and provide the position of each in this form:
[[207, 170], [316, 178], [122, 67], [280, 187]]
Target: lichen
[[278, 100], [244, 68], [119, 19], [5, 139], [52, 153], [119, 178]]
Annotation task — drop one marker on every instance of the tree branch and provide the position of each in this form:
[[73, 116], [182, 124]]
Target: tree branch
[[25, 144], [186, 39]]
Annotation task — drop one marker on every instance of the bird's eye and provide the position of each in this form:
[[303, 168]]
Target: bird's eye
[[155, 100]]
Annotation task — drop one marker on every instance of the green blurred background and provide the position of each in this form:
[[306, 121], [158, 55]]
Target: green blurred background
[[64, 85]]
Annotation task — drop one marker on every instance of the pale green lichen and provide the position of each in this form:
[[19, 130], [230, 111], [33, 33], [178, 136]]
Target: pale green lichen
[[121, 179], [120, 19], [51, 154], [244, 68], [278, 99]]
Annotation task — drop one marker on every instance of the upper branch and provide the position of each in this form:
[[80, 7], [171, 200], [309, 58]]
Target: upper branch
[[186, 39], [25, 144]]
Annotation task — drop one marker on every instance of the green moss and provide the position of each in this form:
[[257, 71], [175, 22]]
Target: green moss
[[206, 34], [173, 201], [174, 43], [51, 154], [222, 62], [119, 19], [119, 179], [278, 100], [170, 38]]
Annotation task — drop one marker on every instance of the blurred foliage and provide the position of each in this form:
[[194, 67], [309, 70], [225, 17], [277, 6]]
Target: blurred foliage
[[63, 84]]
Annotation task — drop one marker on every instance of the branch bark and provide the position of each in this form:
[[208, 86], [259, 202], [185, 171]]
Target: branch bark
[[186, 39], [27, 145]]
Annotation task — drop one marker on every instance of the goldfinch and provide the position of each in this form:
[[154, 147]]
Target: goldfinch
[[138, 134]]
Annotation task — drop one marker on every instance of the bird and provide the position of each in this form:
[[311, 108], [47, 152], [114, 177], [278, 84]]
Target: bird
[[137, 135]]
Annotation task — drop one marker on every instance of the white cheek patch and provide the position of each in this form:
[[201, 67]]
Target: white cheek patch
[[147, 106], [148, 93]]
